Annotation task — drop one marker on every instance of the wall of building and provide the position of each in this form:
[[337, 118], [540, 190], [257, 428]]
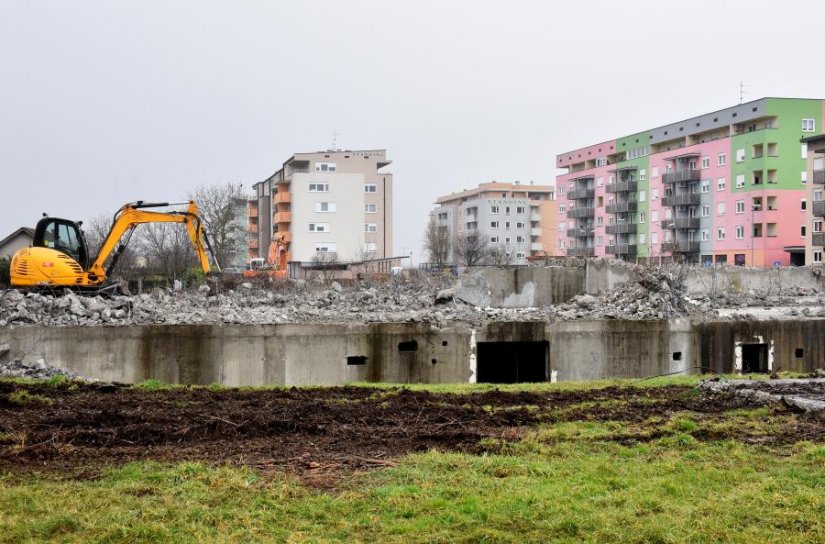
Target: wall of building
[[11, 247]]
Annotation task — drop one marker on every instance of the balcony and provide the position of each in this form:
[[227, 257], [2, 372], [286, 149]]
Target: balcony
[[253, 229], [580, 252], [681, 247], [818, 239], [621, 249], [283, 217], [535, 216], [689, 199], [621, 228], [253, 244], [580, 232], [819, 177], [622, 187], [581, 213], [621, 207], [681, 223], [819, 208], [536, 231], [536, 246], [581, 194], [283, 197], [681, 175]]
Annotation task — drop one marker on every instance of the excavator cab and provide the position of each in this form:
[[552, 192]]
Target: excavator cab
[[63, 235]]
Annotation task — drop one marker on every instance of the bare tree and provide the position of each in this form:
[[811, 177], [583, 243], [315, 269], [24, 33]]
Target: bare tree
[[223, 210], [96, 230], [472, 249], [168, 249], [437, 243], [327, 264], [499, 256]]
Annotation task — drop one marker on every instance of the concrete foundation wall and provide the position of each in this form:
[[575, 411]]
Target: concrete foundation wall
[[407, 352], [520, 287], [740, 280]]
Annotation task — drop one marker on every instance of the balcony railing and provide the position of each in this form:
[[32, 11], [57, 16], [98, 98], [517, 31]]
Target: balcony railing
[[819, 177], [283, 197], [621, 249], [621, 207], [580, 213], [681, 247], [253, 244], [535, 216], [621, 228], [681, 223], [689, 174], [622, 187], [689, 199], [819, 208], [582, 232], [283, 217], [535, 231], [818, 239], [580, 251], [536, 246], [581, 194]]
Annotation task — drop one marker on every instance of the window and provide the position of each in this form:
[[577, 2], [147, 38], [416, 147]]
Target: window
[[817, 256], [720, 208], [599, 181], [706, 186], [654, 216], [720, 233], [721, 184], [642, 196], [507, 210], [804, 151], [599, 240], [705, 162], [519, 209], [817, 225], [803, 177], [803, 204], [493, 239], [507, 240], [705, 235], [520, 225], [319, 187], [326, 247], [495, 209], [740, 180], [520, 255], [319, 227], [601, 161], [370, 227], [740, 206], [721, 159], [643, 238], [519, 239], [507, 225], [373, 208], [562, 208], [808, 125], [802, 231], [325, 207], [654, 172], [642, 174], [740, 232], [325, 167], [493, 224], [599, 221], [654, 194], [370, 188], [705, 210], [654, 237], [370, 247], [740, 155]]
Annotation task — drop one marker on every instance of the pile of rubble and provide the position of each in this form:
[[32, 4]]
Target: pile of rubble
[[36, 369]]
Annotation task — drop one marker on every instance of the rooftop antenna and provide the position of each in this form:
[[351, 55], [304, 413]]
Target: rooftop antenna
[[742, 91], [335, 135]]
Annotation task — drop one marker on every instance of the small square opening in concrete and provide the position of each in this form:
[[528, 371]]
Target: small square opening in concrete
[[433, 361], [677, 355], [444, 343], [410, 345], [356, 360], [799, 353]]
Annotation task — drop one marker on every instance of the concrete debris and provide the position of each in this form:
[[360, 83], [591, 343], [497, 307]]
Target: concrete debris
[[35, 369], [806, 395]]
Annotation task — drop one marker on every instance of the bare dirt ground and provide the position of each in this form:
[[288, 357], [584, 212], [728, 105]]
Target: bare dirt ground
[[321, 433]]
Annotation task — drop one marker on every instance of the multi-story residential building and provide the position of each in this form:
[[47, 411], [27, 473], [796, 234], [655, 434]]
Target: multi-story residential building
[[324, 203], [813, 148], [514, 218], [727, 187]]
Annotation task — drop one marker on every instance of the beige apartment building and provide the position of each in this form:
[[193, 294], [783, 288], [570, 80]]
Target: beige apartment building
[[323, 206], [519, 219]]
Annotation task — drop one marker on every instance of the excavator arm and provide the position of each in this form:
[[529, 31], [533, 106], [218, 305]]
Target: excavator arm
[[134, 214]]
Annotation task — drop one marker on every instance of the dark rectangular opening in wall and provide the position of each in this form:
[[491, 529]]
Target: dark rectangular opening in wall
[[799, 353], [410, 345], [356, 360], [754, 358], [677, 355], [512, 362]]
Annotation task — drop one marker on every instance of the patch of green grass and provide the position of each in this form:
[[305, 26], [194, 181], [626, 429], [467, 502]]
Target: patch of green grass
[[21, 397]]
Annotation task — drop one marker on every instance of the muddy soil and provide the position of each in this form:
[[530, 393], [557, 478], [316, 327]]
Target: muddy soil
[[78, 429]]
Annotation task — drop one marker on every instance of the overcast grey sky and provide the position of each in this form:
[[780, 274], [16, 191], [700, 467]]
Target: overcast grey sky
[[104, 102]]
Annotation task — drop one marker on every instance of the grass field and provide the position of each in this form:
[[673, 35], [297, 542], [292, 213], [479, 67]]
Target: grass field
[[657, 480]]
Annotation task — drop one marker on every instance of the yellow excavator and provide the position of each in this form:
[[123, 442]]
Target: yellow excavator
[[59, 257]]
